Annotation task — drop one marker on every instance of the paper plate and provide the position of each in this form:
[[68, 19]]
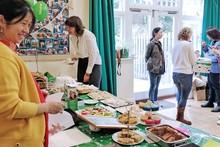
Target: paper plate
[[56, 97], [90, 102], [115, 138], [65, 119]]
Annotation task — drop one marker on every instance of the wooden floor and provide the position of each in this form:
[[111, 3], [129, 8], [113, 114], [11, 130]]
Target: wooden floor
[[201, 118]]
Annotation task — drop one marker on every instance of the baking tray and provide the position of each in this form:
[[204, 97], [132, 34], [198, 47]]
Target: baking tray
[[165, 143]]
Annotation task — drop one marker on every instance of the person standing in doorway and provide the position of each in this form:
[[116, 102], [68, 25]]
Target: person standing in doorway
[[85, 50], [183, 60], [154, 58]]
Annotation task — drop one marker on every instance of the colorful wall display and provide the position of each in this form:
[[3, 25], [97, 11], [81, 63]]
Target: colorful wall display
[[49, 36]]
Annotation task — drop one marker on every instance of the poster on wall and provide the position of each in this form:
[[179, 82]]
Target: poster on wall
[[49, 37]]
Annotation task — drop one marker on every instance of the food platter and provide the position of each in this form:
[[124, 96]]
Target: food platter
[[149, 106], [166, 134], [116, 102], [131, 120], [84, 89], [90, 102], [149, 119], [130, 137], [97, 111], [101, 117], [100, 95]]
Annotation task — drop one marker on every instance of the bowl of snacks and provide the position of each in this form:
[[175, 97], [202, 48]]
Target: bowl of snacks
[[149, 119], [149, 106]]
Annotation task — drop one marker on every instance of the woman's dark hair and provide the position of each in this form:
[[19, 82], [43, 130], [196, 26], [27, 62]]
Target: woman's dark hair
[[12, 9], [213, 33], [155, 30], [76, 22]]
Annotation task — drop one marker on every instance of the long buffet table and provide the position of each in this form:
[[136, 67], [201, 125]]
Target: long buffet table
[[104, 136]]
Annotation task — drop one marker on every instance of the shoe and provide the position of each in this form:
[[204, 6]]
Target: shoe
[[207, 105], [216, 109], [218, 122], [180, 116]]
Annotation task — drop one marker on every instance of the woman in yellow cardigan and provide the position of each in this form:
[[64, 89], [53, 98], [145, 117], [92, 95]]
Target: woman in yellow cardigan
[[21, 113]]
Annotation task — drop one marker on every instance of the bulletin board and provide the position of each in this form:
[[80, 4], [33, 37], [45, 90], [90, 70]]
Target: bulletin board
[[49, 37]]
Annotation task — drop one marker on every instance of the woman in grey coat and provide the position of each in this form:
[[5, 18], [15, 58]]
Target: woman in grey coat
[[154, 58]]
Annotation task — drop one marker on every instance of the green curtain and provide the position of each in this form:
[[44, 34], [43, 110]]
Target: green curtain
[[211, 16], [101, 23]]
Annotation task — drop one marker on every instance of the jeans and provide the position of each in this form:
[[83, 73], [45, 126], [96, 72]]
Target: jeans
[[214, 86], [183, 83], [154, 84]]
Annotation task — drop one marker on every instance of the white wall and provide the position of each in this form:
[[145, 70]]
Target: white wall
[[81, 9], [57, 66]]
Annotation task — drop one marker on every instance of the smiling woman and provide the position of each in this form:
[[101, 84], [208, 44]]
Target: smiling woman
[[22, 104], [18, 29], [17, 23]]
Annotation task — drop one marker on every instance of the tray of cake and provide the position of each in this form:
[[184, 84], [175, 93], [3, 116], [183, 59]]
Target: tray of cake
[[167, 135]]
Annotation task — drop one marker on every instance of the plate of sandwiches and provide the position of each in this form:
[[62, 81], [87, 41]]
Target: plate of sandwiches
[[128, 120], [128, 137]]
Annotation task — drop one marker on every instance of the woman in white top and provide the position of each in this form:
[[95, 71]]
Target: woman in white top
[[86, 51], [183, 61]]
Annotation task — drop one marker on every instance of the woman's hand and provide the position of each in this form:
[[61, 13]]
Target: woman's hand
[[50, 107], [45, 92], [55, 107], [86, 78], [74, 58], [55, 128], [215, 50], [203, 44]]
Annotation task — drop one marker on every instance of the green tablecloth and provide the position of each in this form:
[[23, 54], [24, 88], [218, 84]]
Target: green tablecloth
[[104, 137]]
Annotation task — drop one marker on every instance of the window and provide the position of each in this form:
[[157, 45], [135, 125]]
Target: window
[[197, 32], [167, 3], [135, 19], [118, 5], [118, 31], [192, 12], [193, 8], [142, 2]]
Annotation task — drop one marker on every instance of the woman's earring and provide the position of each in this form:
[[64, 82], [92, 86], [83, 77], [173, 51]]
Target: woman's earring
[[1, 32]]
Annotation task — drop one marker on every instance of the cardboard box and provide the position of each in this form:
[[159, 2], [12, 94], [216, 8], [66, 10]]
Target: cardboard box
[[199, 94]]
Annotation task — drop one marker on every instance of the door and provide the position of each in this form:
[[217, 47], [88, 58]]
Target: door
[[143, 23], [140, 33], [167, 22]]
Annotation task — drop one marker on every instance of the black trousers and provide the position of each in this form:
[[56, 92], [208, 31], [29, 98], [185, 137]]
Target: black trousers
[[95, 76], [214, 87]]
